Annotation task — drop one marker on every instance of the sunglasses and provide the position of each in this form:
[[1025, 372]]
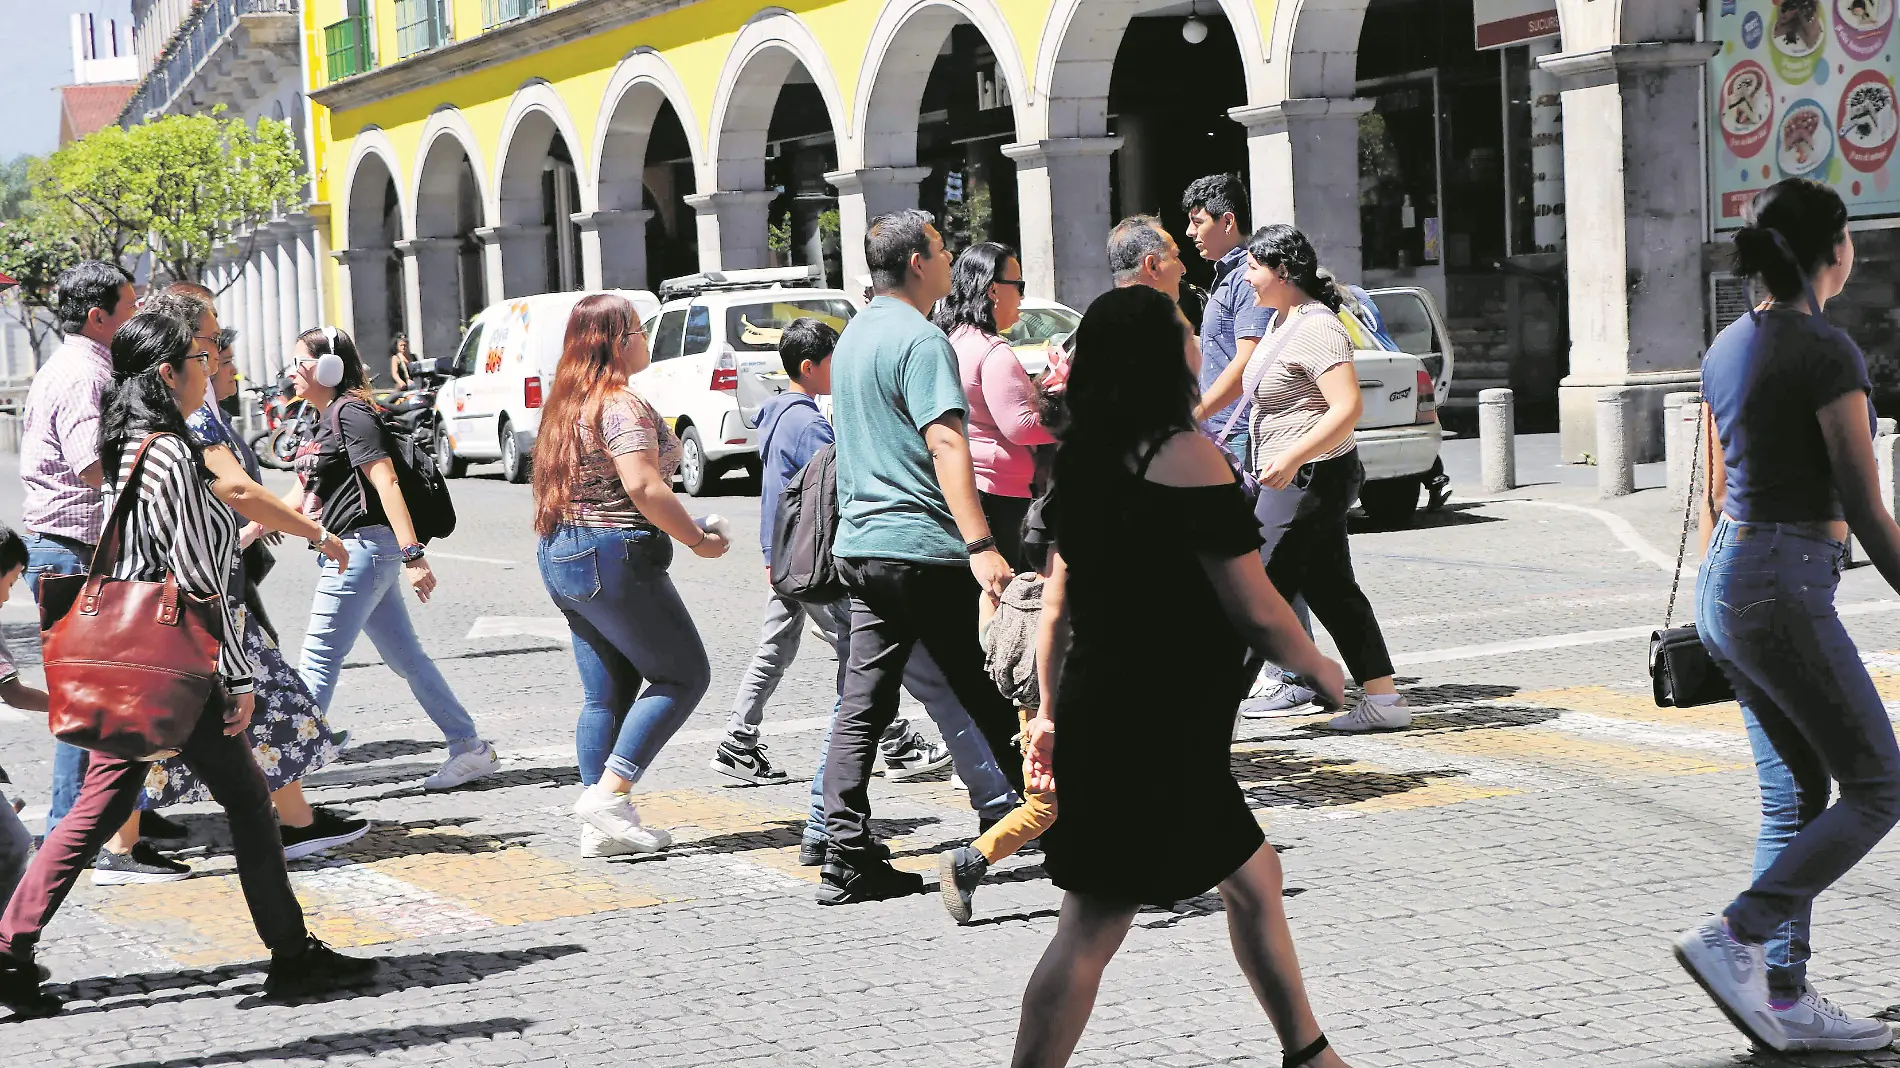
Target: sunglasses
[[1020, 285]]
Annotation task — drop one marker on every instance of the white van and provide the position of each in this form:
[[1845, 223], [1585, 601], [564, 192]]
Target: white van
[[490, 406]]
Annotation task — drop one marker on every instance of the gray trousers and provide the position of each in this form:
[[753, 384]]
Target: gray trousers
[[779, 637]]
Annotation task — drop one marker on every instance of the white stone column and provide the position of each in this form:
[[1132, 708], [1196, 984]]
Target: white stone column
[[732, 229], [864, 195], [514, 259], [303, 236], [432, 294], [284, 250], [268, 348], [614, 249], [1303, 154], [1062, 194], [1635, 215]]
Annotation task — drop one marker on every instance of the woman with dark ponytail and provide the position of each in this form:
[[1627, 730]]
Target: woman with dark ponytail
[[1790, 472], [1305, 395]]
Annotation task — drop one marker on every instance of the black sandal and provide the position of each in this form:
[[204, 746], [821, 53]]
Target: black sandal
[[1314, 1049]]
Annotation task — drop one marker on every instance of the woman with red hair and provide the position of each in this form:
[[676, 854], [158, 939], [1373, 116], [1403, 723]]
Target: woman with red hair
[[607, 517]]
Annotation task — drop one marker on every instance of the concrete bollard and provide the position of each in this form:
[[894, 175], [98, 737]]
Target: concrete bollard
[[1679, 439], [1616, 468], [1497, 439]]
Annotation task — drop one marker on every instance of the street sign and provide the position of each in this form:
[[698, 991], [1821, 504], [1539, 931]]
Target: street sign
[[1502, 23]]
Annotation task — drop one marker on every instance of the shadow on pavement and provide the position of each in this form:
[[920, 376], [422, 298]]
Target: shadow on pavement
[[369, 752], [1296, 780], [1451, 515], [566, 775], [351, 1043]]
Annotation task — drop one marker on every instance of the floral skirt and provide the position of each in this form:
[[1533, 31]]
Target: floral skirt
[[289, 736]]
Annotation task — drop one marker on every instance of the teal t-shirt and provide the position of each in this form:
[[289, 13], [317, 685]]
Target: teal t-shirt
[[892, 375]]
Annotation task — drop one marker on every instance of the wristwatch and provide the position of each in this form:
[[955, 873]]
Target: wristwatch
[[317, 543], [411, 553]]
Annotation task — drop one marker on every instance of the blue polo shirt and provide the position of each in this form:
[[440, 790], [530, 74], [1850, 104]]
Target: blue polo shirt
[[1231, 313]]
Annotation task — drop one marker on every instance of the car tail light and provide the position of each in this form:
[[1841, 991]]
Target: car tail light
[[725, 376], [531, 392], [1427, 398]]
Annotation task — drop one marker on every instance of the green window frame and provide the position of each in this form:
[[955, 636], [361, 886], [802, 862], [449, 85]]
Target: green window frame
[[346, 48]]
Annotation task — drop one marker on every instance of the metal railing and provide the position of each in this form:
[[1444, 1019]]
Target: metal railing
[[346, 48], [195, 41], [420, 26], [496, 12]]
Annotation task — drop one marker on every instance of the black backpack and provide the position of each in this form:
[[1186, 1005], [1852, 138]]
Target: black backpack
[[803, 532], [424, 492]]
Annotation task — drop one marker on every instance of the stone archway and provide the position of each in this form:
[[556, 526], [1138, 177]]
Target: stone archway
[[372, 227], [535, 244], [643, 230], [448, 278]]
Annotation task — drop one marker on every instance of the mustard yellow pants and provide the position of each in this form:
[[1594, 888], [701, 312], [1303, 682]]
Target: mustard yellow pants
[[1024, 823]]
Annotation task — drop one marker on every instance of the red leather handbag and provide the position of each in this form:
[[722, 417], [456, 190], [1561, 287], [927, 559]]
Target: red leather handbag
[[130, 665]]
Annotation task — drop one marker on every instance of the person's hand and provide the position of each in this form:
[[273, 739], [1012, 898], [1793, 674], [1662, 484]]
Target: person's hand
[[713, 546], [249, 535], [334, 548], [1039, 748], [421, 579], [1279, 473], [237, 712], [992, 572], [273, 537], [1329, 681]]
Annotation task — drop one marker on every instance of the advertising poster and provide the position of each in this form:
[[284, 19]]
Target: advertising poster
[[1803, 89]]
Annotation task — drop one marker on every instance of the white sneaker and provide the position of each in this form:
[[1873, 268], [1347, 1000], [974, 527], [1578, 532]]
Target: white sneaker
[[464, 768], [1274, 696], [595, 845], [1733, 974], [1815, 1023], [614, 816], [1367, 715]]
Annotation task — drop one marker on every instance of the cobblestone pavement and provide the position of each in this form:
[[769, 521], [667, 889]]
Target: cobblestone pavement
[[1495, 886]]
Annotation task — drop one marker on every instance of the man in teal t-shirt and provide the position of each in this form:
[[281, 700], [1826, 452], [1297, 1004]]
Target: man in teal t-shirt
[[913, 546]]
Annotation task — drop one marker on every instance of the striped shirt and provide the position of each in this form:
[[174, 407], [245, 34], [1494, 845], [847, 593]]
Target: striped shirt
[[60, 438], [1287, 401], [178, 525]]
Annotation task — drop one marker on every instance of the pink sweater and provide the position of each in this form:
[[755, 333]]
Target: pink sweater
[[1004, 418]]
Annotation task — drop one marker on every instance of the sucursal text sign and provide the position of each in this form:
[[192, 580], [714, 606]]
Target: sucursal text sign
[[1509, 22]]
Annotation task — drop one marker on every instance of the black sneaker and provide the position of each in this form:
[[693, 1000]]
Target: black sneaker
[[746, 763], [870, 879], [811, 852], [327, 831], [155, 828], [20, 988], [958, 873], [315, 968], [144, 864]]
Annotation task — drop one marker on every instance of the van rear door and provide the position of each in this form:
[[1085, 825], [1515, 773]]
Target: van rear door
[[1411, 319], [753, 331]]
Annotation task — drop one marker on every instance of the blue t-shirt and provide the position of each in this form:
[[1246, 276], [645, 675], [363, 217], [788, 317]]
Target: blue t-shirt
[[1766, 378], [1231, 313], [791, 429], [892, 375]]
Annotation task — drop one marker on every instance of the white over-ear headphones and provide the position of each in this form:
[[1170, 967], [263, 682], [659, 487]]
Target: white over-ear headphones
[[329, 369]]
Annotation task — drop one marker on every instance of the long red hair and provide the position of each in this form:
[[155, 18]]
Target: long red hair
[[589, 373]]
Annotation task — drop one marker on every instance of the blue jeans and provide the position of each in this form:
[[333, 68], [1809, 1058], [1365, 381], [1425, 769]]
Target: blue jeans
[[990, 793], [629, 626], [370, 597], [58, 556], [1765, 609]]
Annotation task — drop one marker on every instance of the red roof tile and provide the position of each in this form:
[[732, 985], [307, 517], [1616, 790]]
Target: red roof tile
[[85, 109]]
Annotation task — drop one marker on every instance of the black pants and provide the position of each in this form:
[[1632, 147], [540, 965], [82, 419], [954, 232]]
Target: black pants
[[1314, 559], [1005, 517], [894, 606]]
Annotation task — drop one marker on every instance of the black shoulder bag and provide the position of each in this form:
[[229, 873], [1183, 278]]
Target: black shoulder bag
[[1681, 672]]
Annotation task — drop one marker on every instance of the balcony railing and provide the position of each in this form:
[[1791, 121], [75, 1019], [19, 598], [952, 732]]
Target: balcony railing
[[496, 12], [346, 48], [196, 40], [420, 26]]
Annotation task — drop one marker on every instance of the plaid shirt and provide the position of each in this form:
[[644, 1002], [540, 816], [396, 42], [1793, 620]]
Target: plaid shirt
[[61, 439]]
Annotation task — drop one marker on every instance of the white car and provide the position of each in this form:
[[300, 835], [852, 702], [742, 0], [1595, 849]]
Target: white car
[[715, 342], [1042, 323], [489, 406]]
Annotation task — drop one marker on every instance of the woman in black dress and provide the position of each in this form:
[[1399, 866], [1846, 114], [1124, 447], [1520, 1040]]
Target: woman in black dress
[[1154, 603]]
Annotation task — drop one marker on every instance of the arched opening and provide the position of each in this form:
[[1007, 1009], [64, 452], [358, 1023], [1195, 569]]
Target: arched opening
[[540, 195], [647, 232], [448, 254], [375, 270], [775, 146], [942, 103]]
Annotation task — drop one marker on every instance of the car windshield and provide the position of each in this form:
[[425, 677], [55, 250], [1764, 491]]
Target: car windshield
[[756, 327], [1038, 325]]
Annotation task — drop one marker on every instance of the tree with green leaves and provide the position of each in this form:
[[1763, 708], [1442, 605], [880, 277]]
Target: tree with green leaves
[[35, 245]]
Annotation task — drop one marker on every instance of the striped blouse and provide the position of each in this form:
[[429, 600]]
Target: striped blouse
[[1287, 402], [178, 524]]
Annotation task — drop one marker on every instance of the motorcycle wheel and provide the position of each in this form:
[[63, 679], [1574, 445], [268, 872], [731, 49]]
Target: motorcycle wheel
[[280, 449], [260, 450]]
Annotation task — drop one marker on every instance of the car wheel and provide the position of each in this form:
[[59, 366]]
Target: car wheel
[[1390, 502], [447, 463], [696, 476], [514, 464]]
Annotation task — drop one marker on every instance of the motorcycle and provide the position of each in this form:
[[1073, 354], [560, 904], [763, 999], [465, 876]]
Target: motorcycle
[[284, 426], [411, 410]]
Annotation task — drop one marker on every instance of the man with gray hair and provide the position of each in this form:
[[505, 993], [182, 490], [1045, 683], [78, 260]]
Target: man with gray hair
[[1141, 252]]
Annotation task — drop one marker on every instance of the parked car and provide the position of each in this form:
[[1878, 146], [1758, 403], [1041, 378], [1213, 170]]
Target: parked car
[[489, 406], [1043, 323], [715, 342]]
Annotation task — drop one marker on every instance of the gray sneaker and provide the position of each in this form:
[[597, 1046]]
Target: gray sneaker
[[958, 873], [144, 864], [1815, 1023], [1733, 974], [1273, 695]]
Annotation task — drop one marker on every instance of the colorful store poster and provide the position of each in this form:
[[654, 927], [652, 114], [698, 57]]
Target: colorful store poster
[[1803, 88]]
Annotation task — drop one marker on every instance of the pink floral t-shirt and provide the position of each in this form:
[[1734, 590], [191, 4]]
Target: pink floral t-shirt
[[628, 424]]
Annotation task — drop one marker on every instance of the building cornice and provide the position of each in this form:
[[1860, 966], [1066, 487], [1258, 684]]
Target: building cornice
[[572, 22]]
